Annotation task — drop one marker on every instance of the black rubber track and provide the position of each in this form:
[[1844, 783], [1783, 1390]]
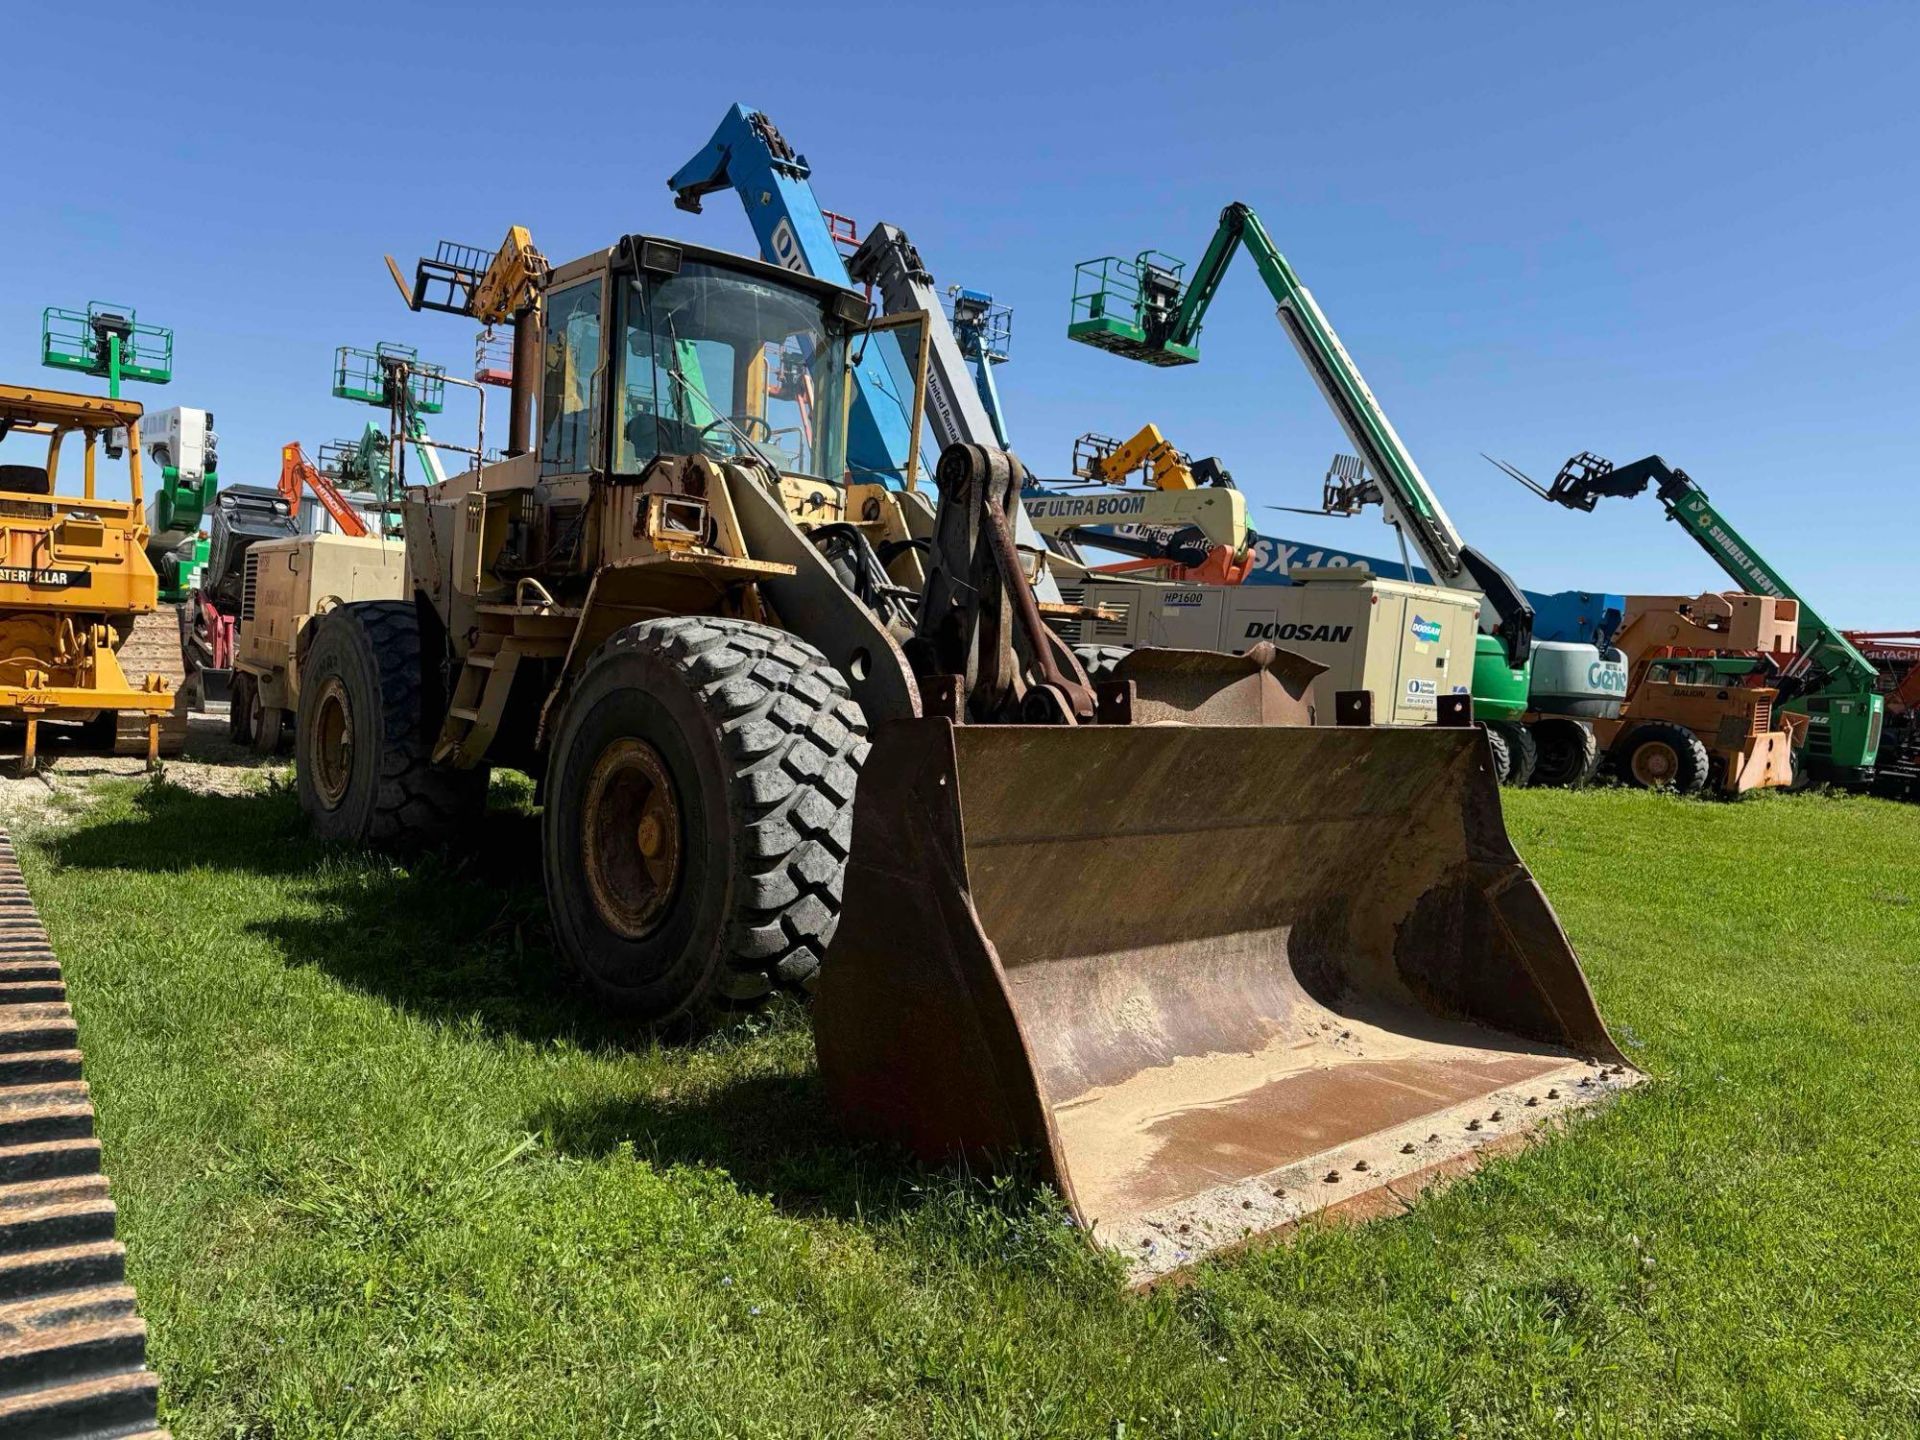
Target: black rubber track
[[73, 1349]]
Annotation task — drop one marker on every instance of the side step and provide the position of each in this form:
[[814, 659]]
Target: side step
[[73, 1349]]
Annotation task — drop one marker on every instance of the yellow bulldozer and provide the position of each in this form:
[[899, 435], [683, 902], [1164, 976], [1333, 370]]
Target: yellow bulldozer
[[75, 581], [1216, 968]]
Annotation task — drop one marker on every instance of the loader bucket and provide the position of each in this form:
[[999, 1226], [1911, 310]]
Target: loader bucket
[[1216, 978]]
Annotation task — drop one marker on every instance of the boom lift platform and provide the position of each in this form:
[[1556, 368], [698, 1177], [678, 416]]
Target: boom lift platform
[[774, 712]]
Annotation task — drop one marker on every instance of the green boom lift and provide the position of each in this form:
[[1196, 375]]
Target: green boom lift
[[1148, 309], [1832, 683], [108, 341]]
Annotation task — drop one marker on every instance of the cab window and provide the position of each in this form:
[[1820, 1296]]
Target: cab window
[[570, 380]]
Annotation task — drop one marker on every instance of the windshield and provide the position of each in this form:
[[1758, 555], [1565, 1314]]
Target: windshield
[[726, 364]]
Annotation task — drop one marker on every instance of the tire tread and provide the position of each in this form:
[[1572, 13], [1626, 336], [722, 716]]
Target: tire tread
[[792, 740]]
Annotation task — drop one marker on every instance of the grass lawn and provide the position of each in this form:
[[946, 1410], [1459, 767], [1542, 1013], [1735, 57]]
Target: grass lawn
[[383, 1172]]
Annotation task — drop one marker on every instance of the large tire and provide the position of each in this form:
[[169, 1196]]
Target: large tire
[[1100, 661], [698, 815], [1659, 755], [1567, 753], [363, 736], [240, 708], [1522, 753], [264, 724], [1502, 756]]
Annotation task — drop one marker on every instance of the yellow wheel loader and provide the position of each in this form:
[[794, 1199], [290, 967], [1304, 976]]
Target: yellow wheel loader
[[1215, 968], [78, 596]]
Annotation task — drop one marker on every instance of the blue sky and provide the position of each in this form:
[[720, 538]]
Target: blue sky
[[1628, 228]]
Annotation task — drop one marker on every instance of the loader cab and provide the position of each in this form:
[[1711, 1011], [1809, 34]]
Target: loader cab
[[659, 348]]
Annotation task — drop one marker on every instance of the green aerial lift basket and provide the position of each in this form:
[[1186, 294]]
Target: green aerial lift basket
[[1126, 306], [106, 341], [362, 375]]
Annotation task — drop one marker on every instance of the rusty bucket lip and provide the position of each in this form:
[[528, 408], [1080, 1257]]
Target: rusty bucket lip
[[1359, 1182]]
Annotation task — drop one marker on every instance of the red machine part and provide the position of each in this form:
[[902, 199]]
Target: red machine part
[[296, 472], [1896, 655]]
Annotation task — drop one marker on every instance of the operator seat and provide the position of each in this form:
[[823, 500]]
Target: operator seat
[[25, 480]]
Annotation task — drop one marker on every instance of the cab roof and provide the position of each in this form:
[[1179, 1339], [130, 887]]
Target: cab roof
[[64, 409], [627, 253]]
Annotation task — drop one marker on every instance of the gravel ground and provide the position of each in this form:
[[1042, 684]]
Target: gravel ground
[[211, 765]]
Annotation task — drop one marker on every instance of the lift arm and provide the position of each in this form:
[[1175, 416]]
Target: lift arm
[[298, 472], [1165, 330], [1586, 478], [888, 262], [1098, 457]]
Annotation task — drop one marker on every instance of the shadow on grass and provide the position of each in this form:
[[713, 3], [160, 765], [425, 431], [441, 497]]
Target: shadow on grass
[[452, 936], [774, 1135], [463, 938]]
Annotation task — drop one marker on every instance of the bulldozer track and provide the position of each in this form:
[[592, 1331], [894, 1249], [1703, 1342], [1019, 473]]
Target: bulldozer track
[[153, 648], [72, 1345]]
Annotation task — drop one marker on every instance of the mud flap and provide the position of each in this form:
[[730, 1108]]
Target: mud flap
[[1216, 978]]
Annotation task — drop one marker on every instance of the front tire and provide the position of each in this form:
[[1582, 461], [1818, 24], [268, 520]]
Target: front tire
[[698, 814], [1567, 753], [1663, 756], [1502, 756], [363, 738], [1522, 753]]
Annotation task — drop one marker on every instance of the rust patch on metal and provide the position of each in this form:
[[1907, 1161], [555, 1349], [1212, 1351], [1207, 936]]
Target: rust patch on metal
[[1197, 969]]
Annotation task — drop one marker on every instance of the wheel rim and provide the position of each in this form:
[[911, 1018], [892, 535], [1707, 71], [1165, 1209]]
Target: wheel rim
[[256, 712], [630, 838], [332, 743], [1656, 763]]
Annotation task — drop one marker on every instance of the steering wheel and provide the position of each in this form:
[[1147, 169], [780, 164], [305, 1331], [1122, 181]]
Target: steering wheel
[[743, 424]]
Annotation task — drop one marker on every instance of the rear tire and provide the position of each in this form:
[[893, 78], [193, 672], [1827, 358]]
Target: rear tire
[[264, 724], [363, 736], [1567, 754], [698, 815], [1522, 753], [240, 709], [1658, 756]]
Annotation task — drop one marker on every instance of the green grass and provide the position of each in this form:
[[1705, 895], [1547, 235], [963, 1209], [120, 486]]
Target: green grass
[[383, 1172]]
